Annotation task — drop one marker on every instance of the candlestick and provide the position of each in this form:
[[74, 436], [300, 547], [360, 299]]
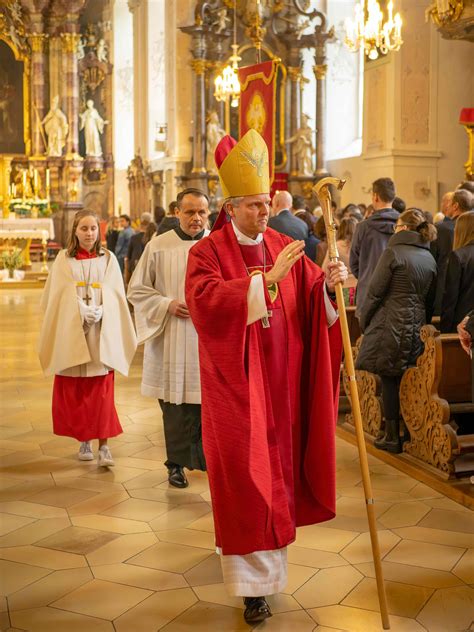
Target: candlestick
[[47, 179], [35, 180], [24, 184]]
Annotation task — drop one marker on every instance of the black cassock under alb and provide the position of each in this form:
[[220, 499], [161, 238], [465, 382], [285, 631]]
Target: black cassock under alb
[[182, 426]]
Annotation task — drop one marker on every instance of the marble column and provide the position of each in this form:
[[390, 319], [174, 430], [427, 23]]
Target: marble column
[[199, 147], [320, 71], [139, 10], [294, 73], [39, 107], [69, 42]]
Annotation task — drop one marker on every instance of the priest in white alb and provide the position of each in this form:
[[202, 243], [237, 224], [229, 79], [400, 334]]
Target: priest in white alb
[[171, 359]]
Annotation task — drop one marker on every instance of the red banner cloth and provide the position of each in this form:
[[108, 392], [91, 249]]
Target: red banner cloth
[[280, 183], [258, 104], [467, 116]]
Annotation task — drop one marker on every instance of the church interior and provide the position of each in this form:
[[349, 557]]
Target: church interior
[[116, 106]]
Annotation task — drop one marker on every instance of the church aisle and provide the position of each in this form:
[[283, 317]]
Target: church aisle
[[83, 548]]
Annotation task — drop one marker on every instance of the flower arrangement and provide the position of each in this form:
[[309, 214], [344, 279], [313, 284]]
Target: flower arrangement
[[12, 260], [30, 207]]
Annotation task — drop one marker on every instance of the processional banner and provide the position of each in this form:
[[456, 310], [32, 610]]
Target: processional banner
[[261, 109]]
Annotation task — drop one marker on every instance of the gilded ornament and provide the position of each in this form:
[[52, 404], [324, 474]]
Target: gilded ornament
[[37, 42], [443, 12], [320, 71], [199, 66], [256, 115], [70, 42], [294, 73]]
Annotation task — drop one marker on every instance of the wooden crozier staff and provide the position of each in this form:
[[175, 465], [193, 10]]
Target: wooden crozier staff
[[322, 191]]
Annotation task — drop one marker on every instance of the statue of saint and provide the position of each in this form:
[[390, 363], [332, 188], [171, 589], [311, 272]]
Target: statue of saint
[[56, 128], [101, 50], [303, 147], [214, 133], [93, 125]]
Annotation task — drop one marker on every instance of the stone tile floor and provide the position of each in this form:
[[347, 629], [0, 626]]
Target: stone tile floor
[[83, 548]]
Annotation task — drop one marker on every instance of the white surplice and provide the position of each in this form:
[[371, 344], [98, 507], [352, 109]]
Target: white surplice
[[171, 358]]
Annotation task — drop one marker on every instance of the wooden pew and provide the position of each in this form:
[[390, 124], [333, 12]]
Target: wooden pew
[[430, 393], [369, 387]]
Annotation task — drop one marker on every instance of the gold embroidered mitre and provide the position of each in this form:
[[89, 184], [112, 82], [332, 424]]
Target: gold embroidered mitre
[[243, 166]]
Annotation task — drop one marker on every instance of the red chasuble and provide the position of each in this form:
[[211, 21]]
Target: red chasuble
[[83, 407], [269, 396]]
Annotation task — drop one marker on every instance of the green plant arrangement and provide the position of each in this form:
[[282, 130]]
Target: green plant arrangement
[[30, 207], [12, 260]]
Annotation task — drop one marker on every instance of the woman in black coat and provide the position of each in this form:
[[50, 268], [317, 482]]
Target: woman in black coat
[[458, 297], [399, 301]]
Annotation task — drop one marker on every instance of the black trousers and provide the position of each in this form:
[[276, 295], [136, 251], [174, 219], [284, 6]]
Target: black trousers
[[182, 425], [391, 396]]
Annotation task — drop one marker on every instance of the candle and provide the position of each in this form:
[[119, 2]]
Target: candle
[[35, 180], [47, 179], [24, 183], [14, 190]]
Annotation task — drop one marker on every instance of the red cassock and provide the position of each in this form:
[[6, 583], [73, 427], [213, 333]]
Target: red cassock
[[83, 407], [269, 396]]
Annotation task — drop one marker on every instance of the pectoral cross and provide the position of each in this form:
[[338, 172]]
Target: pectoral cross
[[264, 319], [87, 298]]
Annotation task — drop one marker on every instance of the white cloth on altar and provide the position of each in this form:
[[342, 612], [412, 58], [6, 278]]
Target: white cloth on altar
[[171, 358]]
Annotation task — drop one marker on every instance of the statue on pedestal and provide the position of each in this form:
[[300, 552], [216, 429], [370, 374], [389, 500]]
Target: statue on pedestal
[[93, 125], [214, 133], [56, 127], [303, 147]]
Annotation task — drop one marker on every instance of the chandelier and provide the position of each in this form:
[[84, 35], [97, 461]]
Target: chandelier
[[368, 31], [227, 86]]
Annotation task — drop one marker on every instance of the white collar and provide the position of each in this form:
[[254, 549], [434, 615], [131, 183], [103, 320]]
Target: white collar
[[244, 240]]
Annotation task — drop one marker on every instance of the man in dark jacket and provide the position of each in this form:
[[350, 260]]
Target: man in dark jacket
[[169, 221], [283, 220], [371, 237], [453, 205]]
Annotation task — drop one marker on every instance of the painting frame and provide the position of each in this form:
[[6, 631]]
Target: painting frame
[[25, 81]]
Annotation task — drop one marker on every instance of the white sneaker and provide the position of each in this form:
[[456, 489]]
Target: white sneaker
[[85, 452], [105, 457]]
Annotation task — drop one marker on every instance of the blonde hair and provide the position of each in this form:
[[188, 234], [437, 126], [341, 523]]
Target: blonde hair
[[464, 230], [73, 242], [415, 220]]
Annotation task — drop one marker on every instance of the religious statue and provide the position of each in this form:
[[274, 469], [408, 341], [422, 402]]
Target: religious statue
[[81, 53], [101, 50], [303, 147], [56, 127], [93, 125], [214, 133], [221, 21]]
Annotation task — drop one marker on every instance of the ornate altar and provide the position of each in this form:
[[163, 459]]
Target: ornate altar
[[53, 62]]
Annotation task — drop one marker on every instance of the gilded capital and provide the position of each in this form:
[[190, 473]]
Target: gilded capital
[[37, 42], [133, 5], [69, 42], [199, 66], [294, 72], [320, 71]]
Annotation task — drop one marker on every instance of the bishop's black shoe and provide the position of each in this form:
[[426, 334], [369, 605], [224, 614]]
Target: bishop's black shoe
[[176, 476], [256, 609]]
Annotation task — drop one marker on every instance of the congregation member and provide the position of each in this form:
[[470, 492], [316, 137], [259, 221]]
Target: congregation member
[[136, 246], [311, 242], [398, 204], [270, 351], [171, 362], [158, 215], [466, 337], [458, 297], [299, 208], [322, 247], [86, 335], [123, 240], [170, 221], [112, 233], [398, 302], [454, 204], [371, 237], [345, 233], [283, 219]]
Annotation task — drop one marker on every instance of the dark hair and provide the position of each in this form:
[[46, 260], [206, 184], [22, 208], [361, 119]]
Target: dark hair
[[464, 230], [415, 220], [467, 185], [158, 214], [385, 189], [320, 229], [172, 207], [149, 233], [190, 191], [398, 204], [126, 217], [463, 199], [298, 202], [346, 228], [73, 242], [357, 215]]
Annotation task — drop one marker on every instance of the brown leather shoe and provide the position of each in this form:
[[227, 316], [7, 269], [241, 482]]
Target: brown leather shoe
[[256, 609]]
